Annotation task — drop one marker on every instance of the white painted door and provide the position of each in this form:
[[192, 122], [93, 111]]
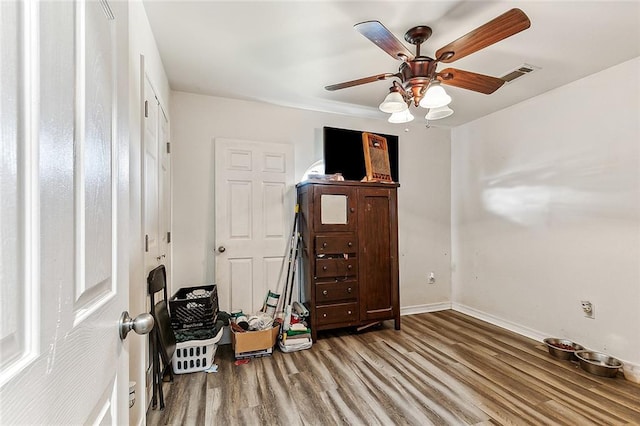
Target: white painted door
[[151, 178], [63, 216], [164, 195], [254, 199], [156, 197], [157, 183]]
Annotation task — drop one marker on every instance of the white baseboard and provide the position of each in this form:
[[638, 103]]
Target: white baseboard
[[421, 309], [517, 328], [492, 319]]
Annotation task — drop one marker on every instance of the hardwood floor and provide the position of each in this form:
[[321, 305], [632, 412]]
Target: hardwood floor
[[442, 368]]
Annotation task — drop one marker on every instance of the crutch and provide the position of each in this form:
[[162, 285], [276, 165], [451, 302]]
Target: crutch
[[291, 284], [272, 300]]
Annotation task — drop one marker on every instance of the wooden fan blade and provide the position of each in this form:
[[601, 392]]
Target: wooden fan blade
[[470, 80], [505, 25], [384, 39], [358, 81]]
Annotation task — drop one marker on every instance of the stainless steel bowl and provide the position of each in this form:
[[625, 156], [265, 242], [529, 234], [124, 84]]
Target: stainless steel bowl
[[598, 363], [556, 349]]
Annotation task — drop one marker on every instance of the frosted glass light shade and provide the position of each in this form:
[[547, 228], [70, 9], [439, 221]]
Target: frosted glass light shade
[[438, 113], [401, 117], [435, 97], [393, 102]]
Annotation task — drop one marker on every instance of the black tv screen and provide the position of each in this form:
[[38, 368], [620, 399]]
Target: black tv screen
[[343, 153]]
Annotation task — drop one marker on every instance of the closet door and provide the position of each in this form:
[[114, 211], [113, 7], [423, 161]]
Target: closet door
[[378, 260]]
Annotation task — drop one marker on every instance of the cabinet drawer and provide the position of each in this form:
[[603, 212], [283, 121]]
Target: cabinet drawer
[[338, 313], [336, 267], [336, 244], [330, 292]]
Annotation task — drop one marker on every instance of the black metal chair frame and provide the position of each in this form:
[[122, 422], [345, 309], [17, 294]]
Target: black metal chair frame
[[162, 340]]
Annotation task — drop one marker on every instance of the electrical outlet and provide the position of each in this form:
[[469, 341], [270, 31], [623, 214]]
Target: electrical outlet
[[588, 309], [432, 278]]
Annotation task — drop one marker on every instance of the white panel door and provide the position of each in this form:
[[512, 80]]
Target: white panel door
[[164, 195], [63, 216], [156, 197], [151, 163], [254, 199], [157, 182]]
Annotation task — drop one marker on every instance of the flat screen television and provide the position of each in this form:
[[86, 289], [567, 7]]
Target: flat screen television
[[343, 153]]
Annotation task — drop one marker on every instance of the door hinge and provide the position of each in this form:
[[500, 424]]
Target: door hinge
[[146, 109], [168, 147], [169, 237], [146, 243]]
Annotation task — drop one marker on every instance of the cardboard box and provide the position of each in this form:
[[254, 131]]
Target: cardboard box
[[254, 341]]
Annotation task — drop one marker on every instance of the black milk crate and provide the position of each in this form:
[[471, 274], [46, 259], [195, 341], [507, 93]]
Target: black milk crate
[[191, 311]]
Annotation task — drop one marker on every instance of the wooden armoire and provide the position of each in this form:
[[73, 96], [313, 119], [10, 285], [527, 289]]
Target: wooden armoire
[[349, 246]]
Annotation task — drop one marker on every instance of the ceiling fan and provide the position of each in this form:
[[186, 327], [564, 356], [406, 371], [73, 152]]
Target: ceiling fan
[[417, 73]]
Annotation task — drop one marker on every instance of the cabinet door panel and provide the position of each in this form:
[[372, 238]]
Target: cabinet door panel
[[334, 208], [377, 264]]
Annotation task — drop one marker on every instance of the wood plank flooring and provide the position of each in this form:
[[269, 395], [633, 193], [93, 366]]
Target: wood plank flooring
[[442, 368]]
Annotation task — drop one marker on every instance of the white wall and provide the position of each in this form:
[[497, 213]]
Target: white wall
[[546, 213], [424, 195], [141, 42]]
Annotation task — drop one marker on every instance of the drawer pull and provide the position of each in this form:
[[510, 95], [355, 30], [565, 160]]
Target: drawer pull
[[324, 268], [349, 266], [350, 244], [324, 315], [325, 292], [324, 244], [352, 209], [349, 312], [349, 290]]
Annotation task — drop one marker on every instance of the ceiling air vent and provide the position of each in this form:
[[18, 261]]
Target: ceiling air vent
[[522, 70]]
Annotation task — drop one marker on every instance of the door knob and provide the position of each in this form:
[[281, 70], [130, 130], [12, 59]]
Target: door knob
[[142, 324], [221, 249]]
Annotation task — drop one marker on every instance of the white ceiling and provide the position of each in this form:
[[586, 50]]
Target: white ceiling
[[285, 52]]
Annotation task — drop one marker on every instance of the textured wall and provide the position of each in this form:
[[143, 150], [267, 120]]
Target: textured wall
[[546, 212], [424, 195]]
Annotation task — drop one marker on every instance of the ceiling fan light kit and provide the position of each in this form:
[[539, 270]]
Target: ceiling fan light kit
[[401, 117], [393, 102], [435, 97], [419, 81], [438, 113]]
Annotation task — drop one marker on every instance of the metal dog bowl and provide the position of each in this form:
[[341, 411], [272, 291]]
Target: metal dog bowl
[[598, 363], [562, 348]]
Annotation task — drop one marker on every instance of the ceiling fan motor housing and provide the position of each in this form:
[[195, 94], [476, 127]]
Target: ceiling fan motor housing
[[416, 76]]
